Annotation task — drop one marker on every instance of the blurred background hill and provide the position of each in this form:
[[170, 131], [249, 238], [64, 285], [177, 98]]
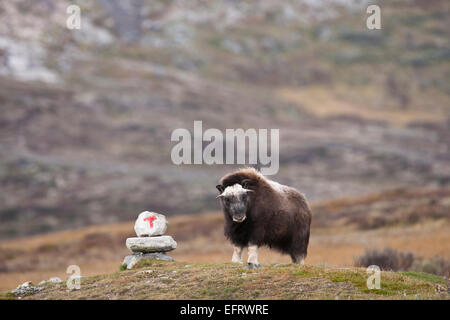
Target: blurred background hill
[[86, 115]]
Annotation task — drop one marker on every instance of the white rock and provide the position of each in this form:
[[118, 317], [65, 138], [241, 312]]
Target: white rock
[[55, 280], [26, 288], [27, 284], [151, 244], [149, 224]]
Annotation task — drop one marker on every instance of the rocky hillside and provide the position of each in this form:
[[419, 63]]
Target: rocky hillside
[[87, 114]]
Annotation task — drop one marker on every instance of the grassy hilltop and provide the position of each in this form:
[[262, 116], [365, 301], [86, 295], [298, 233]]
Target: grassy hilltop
[[175, 280]]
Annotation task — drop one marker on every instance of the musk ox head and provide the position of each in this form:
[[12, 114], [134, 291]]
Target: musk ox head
[[236, 200]]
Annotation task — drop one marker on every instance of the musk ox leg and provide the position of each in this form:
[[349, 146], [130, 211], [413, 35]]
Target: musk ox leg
[[299, 259], [299, 247], [237, 254], [253, 257]]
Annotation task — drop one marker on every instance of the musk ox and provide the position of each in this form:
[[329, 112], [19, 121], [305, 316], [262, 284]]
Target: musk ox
[[260, 212]]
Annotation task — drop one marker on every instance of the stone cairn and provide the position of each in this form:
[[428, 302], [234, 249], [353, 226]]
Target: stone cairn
[[150, 243]]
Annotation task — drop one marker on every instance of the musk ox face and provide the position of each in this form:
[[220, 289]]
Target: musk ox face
[[236, 201]]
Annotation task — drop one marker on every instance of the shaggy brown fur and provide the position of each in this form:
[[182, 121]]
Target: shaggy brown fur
[[277, 216]]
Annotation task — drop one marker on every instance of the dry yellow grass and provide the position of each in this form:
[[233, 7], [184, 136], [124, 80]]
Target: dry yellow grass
[[323, 102]]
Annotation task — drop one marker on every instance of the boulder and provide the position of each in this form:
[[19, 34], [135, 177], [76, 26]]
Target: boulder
[[150, 224], [25, 285], [26, 288], [131, 260], [151, 244], [55, 280], [51, 280]]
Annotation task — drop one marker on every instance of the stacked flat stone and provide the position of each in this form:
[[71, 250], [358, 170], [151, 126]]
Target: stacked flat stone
[[150, 241]]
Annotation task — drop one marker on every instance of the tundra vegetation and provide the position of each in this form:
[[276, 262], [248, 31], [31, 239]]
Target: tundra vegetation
[[178, 280]]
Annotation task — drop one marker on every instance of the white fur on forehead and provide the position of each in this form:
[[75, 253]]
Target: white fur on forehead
[[234, 190]]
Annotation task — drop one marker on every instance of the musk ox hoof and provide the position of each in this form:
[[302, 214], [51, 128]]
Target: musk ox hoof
[[253, 266]]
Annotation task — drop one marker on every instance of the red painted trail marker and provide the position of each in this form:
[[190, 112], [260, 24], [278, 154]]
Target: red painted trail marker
[[150, 221], [150, 224]]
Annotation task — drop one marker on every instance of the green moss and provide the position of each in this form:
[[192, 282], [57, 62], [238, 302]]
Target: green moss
[[150, 262], [357, 278], [123, 267], [424, 276], [7, 296], [391, 283], [306, 271]]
